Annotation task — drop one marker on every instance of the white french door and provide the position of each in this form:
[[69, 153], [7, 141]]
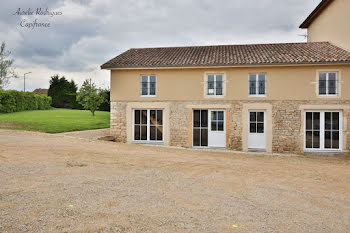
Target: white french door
[[256, 130], [216, 132], [148, 125], [209, 128], [323, 131]]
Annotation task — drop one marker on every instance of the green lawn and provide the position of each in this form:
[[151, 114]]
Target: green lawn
[[55, 120]]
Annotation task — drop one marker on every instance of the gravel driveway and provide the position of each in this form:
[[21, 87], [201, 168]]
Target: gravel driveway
[[53, 183]]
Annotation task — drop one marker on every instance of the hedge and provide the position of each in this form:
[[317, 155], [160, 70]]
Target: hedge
[[16, 101]]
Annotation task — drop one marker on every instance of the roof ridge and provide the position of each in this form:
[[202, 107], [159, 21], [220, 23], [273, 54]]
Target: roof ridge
[[221, 45]]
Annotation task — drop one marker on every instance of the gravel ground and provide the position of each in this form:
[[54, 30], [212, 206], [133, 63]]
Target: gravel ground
[[53, 183], [87, 134]]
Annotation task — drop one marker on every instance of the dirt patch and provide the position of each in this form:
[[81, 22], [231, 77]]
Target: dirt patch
[[45, 187], [11, 125]]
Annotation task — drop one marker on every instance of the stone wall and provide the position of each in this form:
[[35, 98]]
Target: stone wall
[[287, 121]]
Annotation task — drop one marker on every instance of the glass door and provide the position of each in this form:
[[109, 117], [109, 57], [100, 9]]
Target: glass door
[[200, 128], [323, 130]]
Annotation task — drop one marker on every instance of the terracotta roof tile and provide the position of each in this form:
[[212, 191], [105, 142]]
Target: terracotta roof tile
[[230, 55]]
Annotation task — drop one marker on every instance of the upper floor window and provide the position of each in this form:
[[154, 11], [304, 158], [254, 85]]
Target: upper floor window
[[327, 83], [148, 85], [257, 84], [215, 84]]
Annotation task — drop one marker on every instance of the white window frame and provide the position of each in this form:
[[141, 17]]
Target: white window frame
[[148, 141], [322, 130], [257, 85], [223, 85], [337, 83], [148, 83]]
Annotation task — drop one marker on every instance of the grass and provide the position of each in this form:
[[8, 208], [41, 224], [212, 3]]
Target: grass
[[54, 120]]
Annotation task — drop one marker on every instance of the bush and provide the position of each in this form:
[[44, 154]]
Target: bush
[[16, 101]]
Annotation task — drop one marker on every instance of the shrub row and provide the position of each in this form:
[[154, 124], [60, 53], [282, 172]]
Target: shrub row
[[16, 101]]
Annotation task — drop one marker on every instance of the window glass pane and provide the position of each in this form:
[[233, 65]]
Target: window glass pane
[[204, 137], [260, 116], [160, 117], [196, 118], [204, 118], [327, 139], [152, 91], [214, 115], [252, 84], [210, 78], [335, 140], [252, 127], [220, 115], [260, 128], [152, 79], [219, 78], [331, 84], [152, 135], [213, 125], [332, 76], [210, 85], [327, 120], [196, 137], [316, 139], [136, 132], [218, 87], [316, 120], [220, 126], [159, 133], [144, 79], [309, 139], [252, 116], [261, 77], [143, 132], [335, 120], [144, 88], [309, 120], [137, 116], [322, 83], [144, 117], [152, 118]]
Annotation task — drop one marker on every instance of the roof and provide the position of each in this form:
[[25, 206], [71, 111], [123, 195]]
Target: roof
[[40, 91], [315, 13], [230, 55]]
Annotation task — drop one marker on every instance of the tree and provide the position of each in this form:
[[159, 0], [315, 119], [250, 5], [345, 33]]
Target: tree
[[6, 69], [63, 92], [106, 105], [90, 96]]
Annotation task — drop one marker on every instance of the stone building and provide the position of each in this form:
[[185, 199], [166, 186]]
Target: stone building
[[286, 98]]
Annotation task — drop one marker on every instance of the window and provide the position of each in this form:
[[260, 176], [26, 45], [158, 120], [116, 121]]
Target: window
[[217, 121], [257, 84], [215, 84], [327, 83], [148, 85], [148, 125], [256, 122], [323, 130]]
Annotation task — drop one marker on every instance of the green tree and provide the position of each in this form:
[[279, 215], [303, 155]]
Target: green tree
[[6, 69], [90, 96], [63, 92], [106, 105]]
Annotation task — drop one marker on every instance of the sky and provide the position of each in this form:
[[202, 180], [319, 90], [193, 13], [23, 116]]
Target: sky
[[84, 34]]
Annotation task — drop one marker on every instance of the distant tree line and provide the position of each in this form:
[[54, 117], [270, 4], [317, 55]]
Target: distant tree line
[[65, 94]]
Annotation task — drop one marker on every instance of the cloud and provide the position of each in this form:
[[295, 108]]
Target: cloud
[[92, 31]]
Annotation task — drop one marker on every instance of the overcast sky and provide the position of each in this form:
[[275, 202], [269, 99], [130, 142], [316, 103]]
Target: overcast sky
[[90, 32]]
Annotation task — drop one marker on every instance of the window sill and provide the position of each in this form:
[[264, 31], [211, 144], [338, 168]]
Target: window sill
[[145, 96], [328, 96], [257, 96]]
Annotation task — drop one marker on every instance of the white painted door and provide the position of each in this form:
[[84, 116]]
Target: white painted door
[[217, 131], [256, 130]]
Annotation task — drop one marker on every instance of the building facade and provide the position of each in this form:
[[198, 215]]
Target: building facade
[[284, 98]]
